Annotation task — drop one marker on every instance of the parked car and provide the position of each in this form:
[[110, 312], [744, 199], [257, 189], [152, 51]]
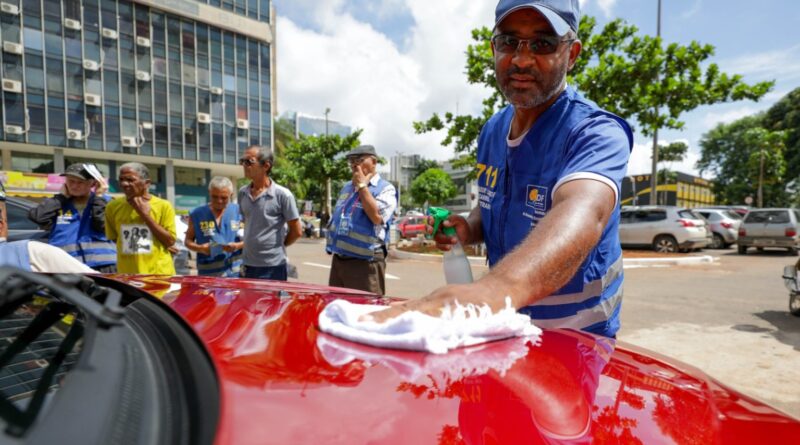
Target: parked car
[[19, 226], [763, 228], [724, 226], [666, 229], [411, 226], [200, 360]]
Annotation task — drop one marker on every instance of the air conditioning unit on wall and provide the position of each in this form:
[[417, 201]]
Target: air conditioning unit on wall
[[143, 76], [14, 129], [204, 118], [143, 41], [215, 90], [90, 65], [12, 86], [128, 141], [72, 24], [244, 124], [92, 99], [75, 135], [13, 47], [8, 8], [110, 33]]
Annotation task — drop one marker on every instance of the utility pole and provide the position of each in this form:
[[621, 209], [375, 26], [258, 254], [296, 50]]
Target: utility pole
[[654, 175], [328, 179]]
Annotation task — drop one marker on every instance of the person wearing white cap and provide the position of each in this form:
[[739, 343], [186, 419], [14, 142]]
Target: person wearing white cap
[[75, 218], [550, 169]]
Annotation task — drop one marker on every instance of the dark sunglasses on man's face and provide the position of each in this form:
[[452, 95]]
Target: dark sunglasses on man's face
[[247, 161], [540, 45]]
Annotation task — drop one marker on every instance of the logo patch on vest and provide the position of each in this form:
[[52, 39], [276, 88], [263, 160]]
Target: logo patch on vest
[[537, 198]]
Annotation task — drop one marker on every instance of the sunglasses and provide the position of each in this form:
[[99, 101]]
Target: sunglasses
[[540, 45], [247, 161]]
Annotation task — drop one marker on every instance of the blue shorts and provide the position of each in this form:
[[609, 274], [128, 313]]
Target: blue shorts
[[266, 273]]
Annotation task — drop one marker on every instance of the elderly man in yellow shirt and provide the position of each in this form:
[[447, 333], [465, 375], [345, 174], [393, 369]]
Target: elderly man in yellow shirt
[[142, 225]]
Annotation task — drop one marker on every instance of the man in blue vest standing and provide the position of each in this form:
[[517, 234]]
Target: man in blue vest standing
[[550, 168], [214, 232], [34, 256], [75, 219], [359, 228]]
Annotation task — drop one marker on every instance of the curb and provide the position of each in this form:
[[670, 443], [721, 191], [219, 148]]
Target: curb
[[480, 261]]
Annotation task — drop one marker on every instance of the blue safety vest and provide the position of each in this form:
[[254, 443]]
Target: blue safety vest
[[515, 186], [73, 233], [223, 264], [15, 254], [354, 236]]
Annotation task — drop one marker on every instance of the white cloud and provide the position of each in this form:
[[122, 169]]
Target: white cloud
[[714, 117], [784, 62], [641, 161], [691, 12], [606, 5], [369, 83]]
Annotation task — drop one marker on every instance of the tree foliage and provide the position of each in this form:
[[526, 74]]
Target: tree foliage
[[785, 116], [423, 166], [732, 152], [673, 152], [434, 186], [623, 72], [321, 158]]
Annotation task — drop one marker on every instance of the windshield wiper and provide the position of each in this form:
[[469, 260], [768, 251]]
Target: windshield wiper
[[69, 295], [16, 286]]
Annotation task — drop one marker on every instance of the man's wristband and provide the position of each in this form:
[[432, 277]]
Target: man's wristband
[[360, 186]]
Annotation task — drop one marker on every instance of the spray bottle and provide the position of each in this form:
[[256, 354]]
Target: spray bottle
[[456, 264]]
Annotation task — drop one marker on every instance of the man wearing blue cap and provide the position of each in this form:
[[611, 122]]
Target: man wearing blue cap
[[550, 169]]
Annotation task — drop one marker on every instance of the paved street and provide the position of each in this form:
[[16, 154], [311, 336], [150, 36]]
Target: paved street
[[729, 319]]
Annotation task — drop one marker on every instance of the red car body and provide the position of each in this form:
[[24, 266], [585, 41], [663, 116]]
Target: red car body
[[411, 226], [284, 382]]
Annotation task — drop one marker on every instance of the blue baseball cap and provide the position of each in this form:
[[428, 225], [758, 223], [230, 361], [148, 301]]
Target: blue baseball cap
[[563, 15]]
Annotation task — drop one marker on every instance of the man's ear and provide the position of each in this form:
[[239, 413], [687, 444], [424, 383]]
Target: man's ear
[[574, 51]]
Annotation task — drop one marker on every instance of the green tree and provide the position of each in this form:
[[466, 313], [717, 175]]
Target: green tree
[[633, 76], [285, 172], [766, 161], [423, 166], [673, 152], [320, 160], [732, 154], [785, 116], [434, 186]]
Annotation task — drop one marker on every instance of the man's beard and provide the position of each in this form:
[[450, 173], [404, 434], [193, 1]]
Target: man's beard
[[528, 98]]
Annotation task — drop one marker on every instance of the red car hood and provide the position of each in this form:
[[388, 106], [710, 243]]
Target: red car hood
[[284, 382]]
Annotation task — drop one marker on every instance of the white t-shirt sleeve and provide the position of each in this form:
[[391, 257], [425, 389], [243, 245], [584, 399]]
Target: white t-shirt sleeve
[[588, 175], [51, 259]]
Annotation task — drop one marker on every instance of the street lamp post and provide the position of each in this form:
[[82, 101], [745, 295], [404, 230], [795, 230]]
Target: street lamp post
[[328, 179], [654, 175]]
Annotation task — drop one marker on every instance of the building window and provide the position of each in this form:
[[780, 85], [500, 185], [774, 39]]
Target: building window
[[31, 162]]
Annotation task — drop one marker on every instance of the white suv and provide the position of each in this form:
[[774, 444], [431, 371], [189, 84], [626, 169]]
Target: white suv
[[666, 229]]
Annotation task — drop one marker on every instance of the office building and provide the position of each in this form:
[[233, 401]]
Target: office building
[[182, 86]]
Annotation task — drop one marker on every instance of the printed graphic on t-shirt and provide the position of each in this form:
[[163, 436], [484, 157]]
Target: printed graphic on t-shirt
[[537, 198], [208, 227], [137, 239]]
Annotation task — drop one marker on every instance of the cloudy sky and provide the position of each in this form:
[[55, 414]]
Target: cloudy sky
[[380, 65]]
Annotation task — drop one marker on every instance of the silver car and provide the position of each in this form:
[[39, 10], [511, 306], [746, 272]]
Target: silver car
[[724, 225], [770, 228], [664, 228]]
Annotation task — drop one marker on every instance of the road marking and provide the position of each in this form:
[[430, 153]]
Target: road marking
[[644, 266], [391, 277]]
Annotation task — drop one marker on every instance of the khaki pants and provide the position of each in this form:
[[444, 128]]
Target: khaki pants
[[355, 273]]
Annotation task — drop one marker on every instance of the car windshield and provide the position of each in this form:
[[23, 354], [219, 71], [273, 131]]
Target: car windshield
[[768, 216], [689, 214]]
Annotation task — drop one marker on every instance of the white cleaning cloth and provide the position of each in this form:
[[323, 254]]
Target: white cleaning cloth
[[455, 328]]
